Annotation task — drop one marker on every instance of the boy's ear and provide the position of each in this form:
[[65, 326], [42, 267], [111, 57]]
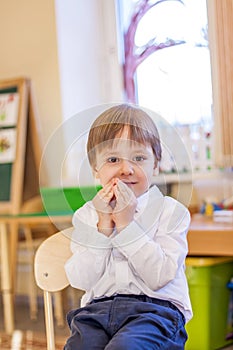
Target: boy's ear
[[156, 169], [95, 173]]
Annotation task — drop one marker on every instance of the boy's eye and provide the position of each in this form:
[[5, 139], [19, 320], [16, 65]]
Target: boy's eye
[[138, 158], [113, 160]]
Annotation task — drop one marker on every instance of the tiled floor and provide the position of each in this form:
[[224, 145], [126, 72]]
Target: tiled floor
[[229, 348], [23, 321]]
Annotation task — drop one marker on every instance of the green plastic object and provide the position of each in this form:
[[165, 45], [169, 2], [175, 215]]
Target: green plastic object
[[67, 200], [207, 280]]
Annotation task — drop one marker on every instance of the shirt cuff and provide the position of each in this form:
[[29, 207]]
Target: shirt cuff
[[90, 237]]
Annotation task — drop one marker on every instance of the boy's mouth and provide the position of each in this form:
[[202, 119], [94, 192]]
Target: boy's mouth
[[129, 182]]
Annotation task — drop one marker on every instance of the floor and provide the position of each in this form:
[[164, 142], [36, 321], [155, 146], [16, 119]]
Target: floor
[[23, 321]]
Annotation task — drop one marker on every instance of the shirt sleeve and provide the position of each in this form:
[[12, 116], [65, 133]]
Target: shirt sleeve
[[156, 259], [91, 251]]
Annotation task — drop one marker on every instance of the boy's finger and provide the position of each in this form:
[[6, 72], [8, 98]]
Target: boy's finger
[[124, 190]]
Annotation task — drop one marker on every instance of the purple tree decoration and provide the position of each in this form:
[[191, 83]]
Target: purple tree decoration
[[135, 55]]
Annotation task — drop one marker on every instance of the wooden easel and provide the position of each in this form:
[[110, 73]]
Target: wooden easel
[[22, 197], [24, 171], [21, 177]]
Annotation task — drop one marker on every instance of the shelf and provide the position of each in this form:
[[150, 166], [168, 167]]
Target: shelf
[[186, 177]]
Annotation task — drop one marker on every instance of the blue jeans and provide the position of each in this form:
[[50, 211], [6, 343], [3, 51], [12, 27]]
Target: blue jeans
[[126, 322]]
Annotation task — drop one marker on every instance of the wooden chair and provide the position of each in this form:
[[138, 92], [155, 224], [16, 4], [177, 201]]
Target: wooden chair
[[50, 274], [31, 236]]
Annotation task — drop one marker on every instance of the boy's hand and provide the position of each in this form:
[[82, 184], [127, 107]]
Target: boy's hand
[[126, 202], [102, 204]]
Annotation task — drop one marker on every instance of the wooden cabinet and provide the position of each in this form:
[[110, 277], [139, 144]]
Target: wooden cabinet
[[220, 28]]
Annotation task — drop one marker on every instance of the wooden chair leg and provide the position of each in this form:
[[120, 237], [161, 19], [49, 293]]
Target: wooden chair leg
[[49, 323], [58, 309], [13, 244], [32, 288], [6, 280]]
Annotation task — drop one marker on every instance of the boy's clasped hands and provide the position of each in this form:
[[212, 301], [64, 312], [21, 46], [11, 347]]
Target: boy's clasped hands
[[115, 204]]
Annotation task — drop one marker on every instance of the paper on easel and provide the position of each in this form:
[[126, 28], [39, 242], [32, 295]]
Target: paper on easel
[[9, 104], [7, 145]]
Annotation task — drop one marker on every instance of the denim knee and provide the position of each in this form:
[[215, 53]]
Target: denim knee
[[125, 344]]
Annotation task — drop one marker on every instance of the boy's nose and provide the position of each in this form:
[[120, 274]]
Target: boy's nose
[[126, 167]]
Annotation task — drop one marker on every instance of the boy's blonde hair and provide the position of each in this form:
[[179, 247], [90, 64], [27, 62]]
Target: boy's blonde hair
[[110, 124]]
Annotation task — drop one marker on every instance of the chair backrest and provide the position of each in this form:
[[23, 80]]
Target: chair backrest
[[49, 263], [50, 274]]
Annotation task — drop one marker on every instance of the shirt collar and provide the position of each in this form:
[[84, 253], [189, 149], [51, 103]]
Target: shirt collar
[[145, 199]]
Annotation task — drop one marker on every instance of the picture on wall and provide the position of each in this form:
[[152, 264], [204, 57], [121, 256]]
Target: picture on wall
[[9, 104], [7, 145]]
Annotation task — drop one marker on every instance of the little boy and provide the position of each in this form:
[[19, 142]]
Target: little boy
[[129, 244]]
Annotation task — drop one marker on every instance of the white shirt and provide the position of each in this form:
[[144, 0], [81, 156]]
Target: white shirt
[[147, 257]]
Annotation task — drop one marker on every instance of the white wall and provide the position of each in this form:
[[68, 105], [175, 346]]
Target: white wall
[[29, 48], [90, 75], [87, 45], [69, 51]]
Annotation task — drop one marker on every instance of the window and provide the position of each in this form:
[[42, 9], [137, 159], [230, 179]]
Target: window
[[167, 68]]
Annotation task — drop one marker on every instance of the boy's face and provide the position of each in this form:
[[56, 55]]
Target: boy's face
[[130, 161]]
